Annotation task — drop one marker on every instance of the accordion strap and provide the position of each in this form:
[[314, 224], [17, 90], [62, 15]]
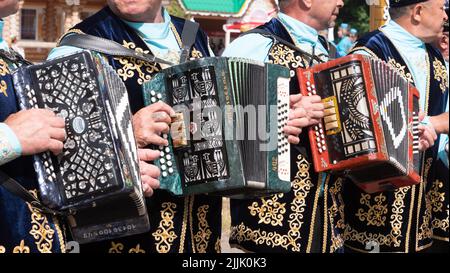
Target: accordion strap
[[13, 57], [105, 46], [15, 188]]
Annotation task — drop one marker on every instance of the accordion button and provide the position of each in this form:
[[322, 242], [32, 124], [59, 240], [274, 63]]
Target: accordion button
[[320, 150], [169, 163], [323, 142], [163, 167], [317, 133], [171, 170], [167, 150], [324, 148], [162, 154], [160, 147], [153, 100], [168, 157], [159, 96], [153, 93], [164, 174], [165, 136], [162, 161], [308, 83]]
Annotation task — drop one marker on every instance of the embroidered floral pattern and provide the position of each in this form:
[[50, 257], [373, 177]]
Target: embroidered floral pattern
[[440, 74], [165, 234], [400, 69], [375, 214], [203, 235], [270, 212], [131, 66]]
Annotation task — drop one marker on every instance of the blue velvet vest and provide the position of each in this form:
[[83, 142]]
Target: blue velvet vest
[[305, 219], [191, 224], [23, 228], [401, 220]]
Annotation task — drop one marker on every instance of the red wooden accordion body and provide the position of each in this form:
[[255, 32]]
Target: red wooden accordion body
[[370, 129]]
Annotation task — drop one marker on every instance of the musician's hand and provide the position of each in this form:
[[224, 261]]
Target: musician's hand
[[149, 173], [427, 134], [38, 130], [305, 111], [150, 122]]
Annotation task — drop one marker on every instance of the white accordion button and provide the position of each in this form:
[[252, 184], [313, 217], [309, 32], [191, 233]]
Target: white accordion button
[[168, 157], [153, 93], [164, 174], [171, 170], [162, 161], [169, 163], [159, 96]]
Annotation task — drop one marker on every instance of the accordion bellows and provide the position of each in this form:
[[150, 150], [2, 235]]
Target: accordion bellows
[[370, 130], [200, 157], [97, 175]]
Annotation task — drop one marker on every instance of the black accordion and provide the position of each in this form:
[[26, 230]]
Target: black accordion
[[370, 130], [96, 178], [214, 146]]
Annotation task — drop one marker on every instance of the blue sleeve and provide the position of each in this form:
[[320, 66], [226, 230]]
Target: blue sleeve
[[62, 51], [344, 46], [10, 147], [251, 46]]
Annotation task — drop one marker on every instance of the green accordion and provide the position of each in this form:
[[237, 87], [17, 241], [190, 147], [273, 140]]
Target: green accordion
[[226, 138]]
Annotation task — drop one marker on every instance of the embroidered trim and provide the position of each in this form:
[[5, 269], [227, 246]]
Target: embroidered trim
[[302, 185], [440, 74], [184, 225], [165, 235], [4, 68], [376, 213], [116, 248], [132, 66], [203, 235], [218, 246], [136, 249], [270, 212], [22, 248], [41, 229]]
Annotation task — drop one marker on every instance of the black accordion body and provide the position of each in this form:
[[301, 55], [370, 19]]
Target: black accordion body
[[211, 146], [96, 178], [370, 130]]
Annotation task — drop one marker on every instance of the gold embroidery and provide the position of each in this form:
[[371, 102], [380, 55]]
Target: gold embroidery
[[218, 246], [394, 237], [337, 241], [191, 206], [3, 88], [165, 235], [437, 198], [61, 237], [202, 237], [376, 214], [41, 229], [4, 68], [2, 249], [196, 54], [22, 248], [400, 69], [302, 185], [137, 249], [442, 224], [440, 74], [424, 231], [184, 225], [116, 248], [285, 56], [131, 66], [270, 212]]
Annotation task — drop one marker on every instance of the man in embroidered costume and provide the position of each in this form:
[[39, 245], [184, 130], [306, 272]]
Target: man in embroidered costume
[[440, 214], [303, 219], [401, 221], [23, 229]]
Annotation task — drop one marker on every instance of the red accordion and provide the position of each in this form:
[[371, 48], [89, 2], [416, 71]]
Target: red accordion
[[370, 129]]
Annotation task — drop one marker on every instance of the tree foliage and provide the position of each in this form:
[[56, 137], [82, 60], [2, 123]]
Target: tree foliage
[[357, 14]]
